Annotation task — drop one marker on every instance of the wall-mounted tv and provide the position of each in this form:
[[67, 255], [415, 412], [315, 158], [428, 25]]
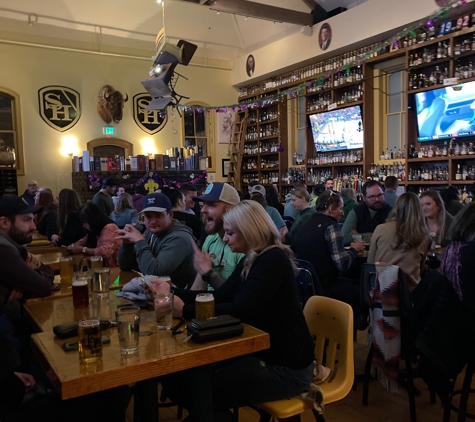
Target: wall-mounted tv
[[445, 113], [337, 129]]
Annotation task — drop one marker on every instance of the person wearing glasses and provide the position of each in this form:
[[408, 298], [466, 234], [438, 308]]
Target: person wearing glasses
[[319, 241], [367, 216]]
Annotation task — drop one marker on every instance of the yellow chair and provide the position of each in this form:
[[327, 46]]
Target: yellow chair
[[331, 324]]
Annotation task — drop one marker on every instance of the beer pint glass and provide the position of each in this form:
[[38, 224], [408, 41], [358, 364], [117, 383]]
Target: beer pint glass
[[80, 292], [204, 305], [90, 340]]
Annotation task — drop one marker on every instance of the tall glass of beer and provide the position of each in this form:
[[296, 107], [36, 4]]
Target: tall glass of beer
[[94, 262], [128, 327], [101, 282], [66, 270], [80, 292], [90, 340], [204, 305]]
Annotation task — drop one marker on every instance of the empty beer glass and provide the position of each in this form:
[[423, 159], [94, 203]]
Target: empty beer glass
[[101, 282]]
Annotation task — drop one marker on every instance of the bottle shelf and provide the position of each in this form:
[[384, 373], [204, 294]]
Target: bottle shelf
[[427, 160], [434, 63]]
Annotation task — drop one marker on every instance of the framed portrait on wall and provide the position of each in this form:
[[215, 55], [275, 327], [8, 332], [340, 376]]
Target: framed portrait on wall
[[325, 36], [225, 166]]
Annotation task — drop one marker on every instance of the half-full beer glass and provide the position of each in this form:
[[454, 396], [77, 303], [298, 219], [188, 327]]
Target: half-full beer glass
[[66, 270], [204, 305], [90, 340]]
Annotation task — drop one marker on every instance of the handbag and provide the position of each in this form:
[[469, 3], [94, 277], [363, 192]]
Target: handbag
[[215, 328]]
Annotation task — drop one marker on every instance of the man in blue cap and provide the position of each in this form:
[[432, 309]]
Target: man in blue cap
[[165, 248], [216, 262]]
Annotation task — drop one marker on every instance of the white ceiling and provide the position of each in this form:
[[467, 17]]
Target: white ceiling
[[222, 35]]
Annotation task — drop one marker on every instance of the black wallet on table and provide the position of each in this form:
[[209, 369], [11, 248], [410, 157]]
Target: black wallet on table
[[216, 328], [70, 329]]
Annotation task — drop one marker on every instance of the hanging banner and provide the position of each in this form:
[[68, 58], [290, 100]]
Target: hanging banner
[[59, 107]]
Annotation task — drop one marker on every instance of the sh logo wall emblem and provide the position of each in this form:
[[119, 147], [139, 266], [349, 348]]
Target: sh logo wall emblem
[[150, 121], [60, 107]]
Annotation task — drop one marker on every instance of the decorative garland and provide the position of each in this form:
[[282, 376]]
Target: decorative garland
[[299, 90], [95, 181]]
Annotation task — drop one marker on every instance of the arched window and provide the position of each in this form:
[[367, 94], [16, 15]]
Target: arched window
[[198, 130], [11, 138]]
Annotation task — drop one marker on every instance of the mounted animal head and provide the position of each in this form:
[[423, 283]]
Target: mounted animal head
[[110, 104]]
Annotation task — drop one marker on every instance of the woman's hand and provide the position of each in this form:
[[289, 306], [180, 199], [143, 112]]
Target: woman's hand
[[129, 234], [74, 249], [55, 239], [27, 380]]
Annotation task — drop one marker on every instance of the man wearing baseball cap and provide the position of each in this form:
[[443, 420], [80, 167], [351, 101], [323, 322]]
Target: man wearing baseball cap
[[103, 198], [166, 246], [22, 274], [216, 262]]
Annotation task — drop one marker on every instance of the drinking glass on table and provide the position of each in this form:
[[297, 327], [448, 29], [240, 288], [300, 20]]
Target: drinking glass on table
[[101, 282], [164, 322], [94, 262], [89, 340], [80, 292], [128, 327], [204, 305], [66, 269]]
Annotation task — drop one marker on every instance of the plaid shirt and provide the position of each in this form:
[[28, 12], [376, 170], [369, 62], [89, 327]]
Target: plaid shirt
[[341, 257]]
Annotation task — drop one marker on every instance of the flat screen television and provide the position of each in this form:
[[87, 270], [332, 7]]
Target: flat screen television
[[337, 130], [445, 113]]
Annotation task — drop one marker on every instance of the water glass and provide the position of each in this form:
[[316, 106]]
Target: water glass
[[128, 327], [164, 322], [357, 238], [101, 282], [90, 340]]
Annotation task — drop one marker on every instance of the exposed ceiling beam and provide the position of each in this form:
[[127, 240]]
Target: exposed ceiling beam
[[310, 4], [262, 11]]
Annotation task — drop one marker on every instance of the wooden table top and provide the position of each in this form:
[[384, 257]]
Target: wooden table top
[[159, 353], [35, 250]]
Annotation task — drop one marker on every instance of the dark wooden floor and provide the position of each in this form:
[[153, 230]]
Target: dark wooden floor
[[383, 406]]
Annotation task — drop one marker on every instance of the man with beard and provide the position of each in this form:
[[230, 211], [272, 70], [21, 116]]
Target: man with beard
[[216, 262], [165, 248], [365, 217], [22, 274]]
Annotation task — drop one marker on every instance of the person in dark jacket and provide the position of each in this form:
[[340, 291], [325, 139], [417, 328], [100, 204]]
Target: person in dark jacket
[[70, 227], [47, 217], [365, 217], [30, 192], [261, 292]]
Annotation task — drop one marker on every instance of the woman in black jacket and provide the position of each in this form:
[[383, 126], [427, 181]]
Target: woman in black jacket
[[70, 227]]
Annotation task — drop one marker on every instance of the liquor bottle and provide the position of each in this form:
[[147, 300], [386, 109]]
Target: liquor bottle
[[458, 173]]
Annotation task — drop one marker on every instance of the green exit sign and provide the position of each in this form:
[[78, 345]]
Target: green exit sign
[[108, 130]]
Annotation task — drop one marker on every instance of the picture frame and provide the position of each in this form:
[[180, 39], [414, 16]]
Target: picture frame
[[225, 126], [225, 166]]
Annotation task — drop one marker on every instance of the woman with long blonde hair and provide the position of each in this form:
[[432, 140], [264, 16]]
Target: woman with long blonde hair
[[261, 292], [438, 220], [404, 240]]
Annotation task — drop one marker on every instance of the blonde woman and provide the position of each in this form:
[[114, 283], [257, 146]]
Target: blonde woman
[[261, 292], [300, 200], [438, 220], [404, 240], [124, 212]]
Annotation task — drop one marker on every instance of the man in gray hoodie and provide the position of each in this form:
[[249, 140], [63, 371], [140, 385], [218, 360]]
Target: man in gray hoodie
[[165, 248]]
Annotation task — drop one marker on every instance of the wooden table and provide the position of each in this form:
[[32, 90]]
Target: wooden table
[[52, 258], [35, 250], [159, 354]]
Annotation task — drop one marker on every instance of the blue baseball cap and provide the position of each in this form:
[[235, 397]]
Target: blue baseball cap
[[219, 192], [156, 202]]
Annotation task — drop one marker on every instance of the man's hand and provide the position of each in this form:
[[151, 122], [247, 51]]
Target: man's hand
[[129, 234], [32, 261], [359, 246], [27, 380], [201, 261], [15, 295]]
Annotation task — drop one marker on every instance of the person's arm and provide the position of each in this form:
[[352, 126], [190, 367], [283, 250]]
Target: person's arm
[[107, 241], [127, 261], [17, 275], [51, 224], [72, 232], [341, 258], [134, 219], [169, 258], [283, 231], [348, 227]]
